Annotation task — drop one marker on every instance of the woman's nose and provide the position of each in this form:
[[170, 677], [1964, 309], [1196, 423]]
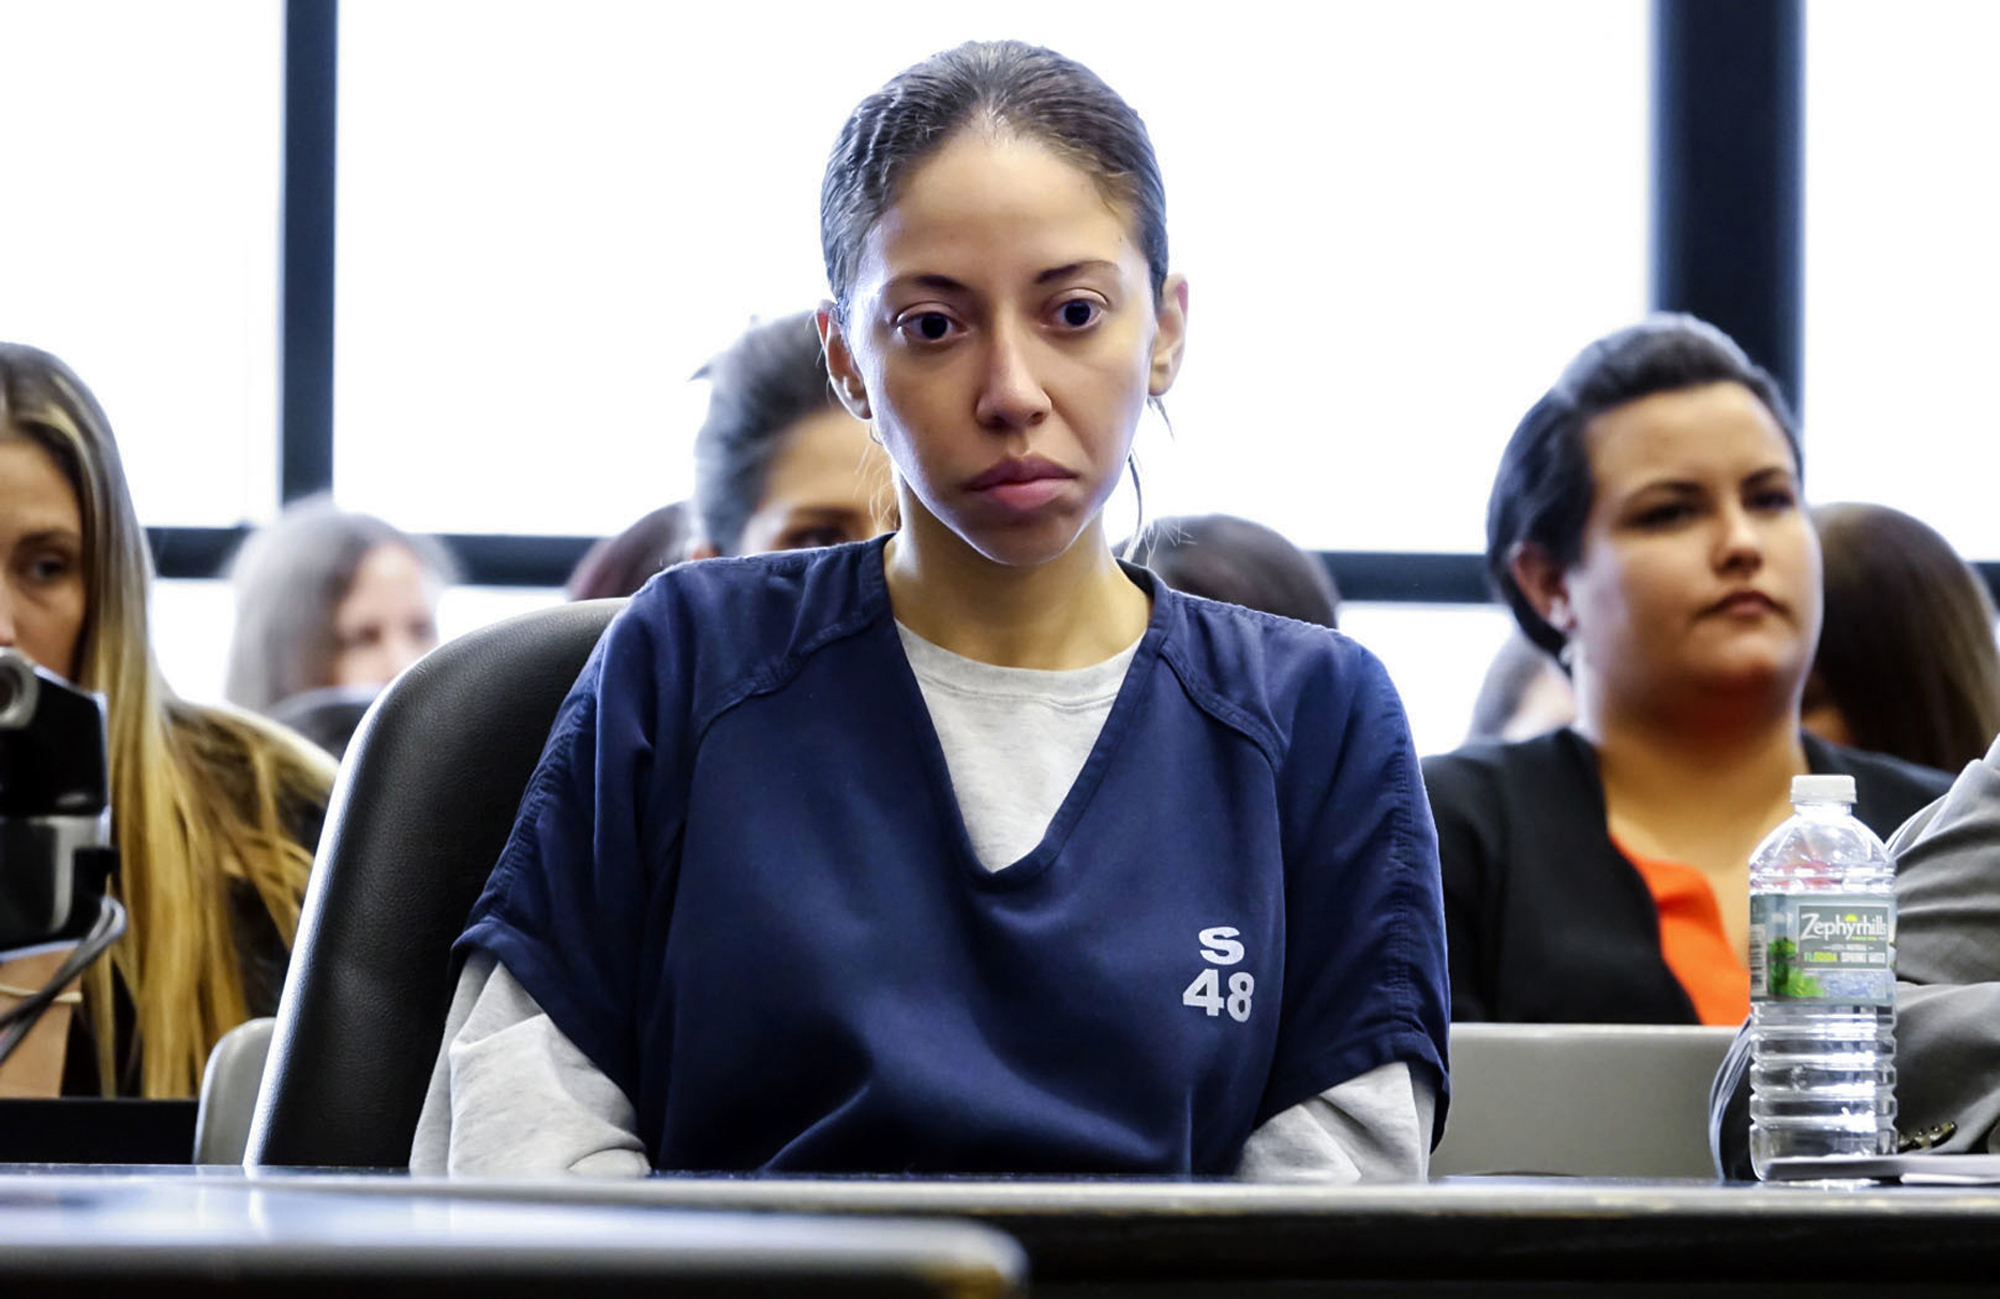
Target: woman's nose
[[1741, 544], [1011, 394]]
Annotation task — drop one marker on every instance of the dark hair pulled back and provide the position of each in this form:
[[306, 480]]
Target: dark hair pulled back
[[1224, 557], [1001, 87], [769, 379], [1542, 493]]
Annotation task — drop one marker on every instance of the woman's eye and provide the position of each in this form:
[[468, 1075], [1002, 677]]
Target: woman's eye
[[1660, 516], [807, 538], [927, 326], [1079, 313], [49, 568], [1776, 500]]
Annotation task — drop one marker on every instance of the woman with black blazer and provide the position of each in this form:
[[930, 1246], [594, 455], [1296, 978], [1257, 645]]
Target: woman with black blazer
[[1646, 528]]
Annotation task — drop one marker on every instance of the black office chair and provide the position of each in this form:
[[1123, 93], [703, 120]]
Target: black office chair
[[327, 716], [425, 799]]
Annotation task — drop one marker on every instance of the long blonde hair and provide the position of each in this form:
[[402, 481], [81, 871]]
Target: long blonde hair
[[200, 797]]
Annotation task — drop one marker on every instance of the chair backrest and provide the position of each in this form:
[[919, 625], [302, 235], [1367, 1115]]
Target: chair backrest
[[327, 716], [1589, 1100], [229, 1085], [425, 800]]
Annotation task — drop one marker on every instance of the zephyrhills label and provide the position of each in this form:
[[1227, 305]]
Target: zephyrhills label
[[1835, 948]]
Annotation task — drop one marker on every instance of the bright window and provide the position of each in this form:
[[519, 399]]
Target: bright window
[[1437, 655], [140, 223], [1398, 222], [1902, 264], [193, 620]]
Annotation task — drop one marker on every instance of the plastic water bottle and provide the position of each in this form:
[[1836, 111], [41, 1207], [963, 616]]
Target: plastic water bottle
[[1822, 983]]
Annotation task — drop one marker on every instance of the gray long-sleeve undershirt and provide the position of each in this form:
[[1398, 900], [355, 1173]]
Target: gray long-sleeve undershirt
[[511, 1096]]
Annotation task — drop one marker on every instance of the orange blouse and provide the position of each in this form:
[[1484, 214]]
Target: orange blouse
[[1692, 939]]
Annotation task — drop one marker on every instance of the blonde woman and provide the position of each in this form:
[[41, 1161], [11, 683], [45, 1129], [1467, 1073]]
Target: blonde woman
[[214, 813]]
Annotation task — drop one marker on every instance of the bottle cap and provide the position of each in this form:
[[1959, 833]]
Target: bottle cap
[[1823, 789]]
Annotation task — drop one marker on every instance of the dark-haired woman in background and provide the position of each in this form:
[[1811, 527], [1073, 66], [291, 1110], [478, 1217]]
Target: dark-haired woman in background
[[778, 464], [1646, 527], [1223, 557], [617, 566], [1907, 661]]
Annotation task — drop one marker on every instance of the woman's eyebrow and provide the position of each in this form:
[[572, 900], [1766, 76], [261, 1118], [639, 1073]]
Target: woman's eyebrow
[[927, 280], [1674, 486], [1069, 269], [42, 536], [939, 283]]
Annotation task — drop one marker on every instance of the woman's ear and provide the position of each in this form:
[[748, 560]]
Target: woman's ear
[[1169, 335], [840, 366], [1545, 584]]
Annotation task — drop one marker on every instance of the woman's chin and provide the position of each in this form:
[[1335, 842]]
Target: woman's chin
[[1754, 675], [1031, 544]]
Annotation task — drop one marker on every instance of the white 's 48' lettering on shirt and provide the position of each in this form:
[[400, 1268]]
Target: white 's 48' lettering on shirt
[[1219, 947]]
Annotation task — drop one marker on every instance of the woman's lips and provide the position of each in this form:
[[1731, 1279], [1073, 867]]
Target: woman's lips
[[1744, 604], [1024, 484], [1029, 495]]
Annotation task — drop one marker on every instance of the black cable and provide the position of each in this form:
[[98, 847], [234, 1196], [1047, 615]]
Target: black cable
[[15, 1024]]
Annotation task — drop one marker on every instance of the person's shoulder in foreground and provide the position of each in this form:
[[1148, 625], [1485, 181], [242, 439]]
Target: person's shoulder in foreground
[[1275, 677], [1350, 801], [599, 828], [1888, 790], [699, 638], [749, 611]]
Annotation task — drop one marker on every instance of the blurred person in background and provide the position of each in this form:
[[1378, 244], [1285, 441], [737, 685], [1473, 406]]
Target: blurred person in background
[[330, 606], [1525, 693], [215, 813], [779, 465], [1646, 527], [1223, 557], [618, 566], [1907, 661]]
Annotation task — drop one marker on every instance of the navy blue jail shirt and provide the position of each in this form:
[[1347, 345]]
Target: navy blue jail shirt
[[740, 884]]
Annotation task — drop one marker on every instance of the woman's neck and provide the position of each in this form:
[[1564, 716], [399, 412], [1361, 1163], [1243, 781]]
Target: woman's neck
[[1075, 610], [1731, 759]]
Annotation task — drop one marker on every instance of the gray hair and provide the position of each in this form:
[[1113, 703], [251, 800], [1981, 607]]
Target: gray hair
[[289, 580]]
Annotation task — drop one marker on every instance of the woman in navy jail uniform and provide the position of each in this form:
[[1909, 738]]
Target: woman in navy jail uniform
[[965, 849]]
